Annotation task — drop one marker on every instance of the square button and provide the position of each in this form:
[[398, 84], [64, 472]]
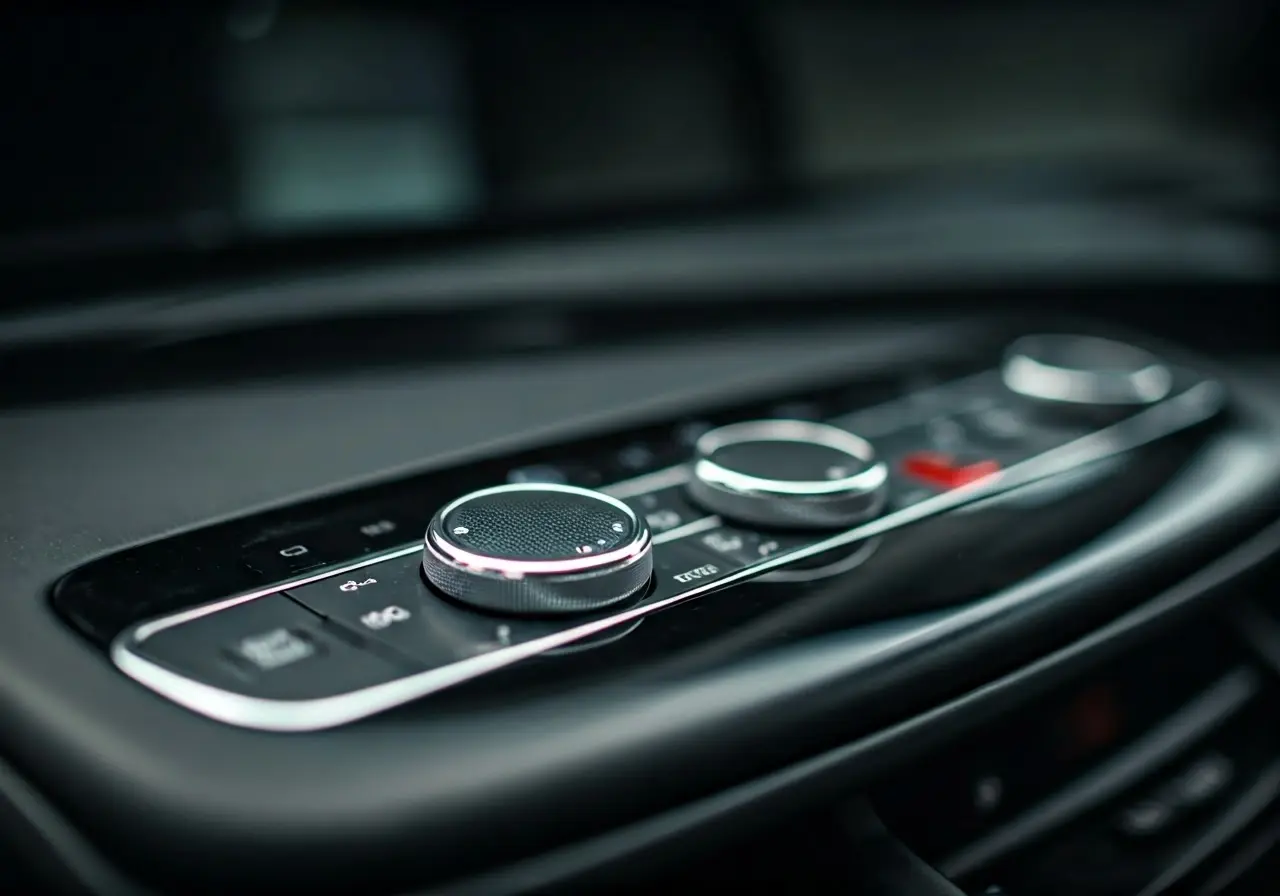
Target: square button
[[272, 648], [275, 648], [683, 565]]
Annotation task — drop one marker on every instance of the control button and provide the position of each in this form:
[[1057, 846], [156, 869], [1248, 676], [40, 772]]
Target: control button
[[684, 564], [384, 602], [286, 556], [1000, 423], [726, 542], [379, 530], [943, 471], [665, 509], [788, 474], [1146, 818], [988, 794], [1085, 371], [274, 648], [946, 434], [270, 647], [388, 602], [746, 548], [1204, 780], [637, 458], [538, 549]]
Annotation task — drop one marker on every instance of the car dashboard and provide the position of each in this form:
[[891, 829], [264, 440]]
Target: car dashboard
[[791, 506]]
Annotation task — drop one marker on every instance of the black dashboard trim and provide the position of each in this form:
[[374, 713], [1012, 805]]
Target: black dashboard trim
[[1243, 812], [1204, 714], [385, 807], [81, 868], [757, 804], [1191, 408], [56, 857]]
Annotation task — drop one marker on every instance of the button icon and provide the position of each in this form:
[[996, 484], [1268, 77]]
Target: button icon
[[353, 585], [1001, 423], [768, 548], [377, 620], [693, 575], [723, 542], [275, 649], [1146, 818], [1204, 780], [988, 793], [296, 550], [945, 434], [381, 527], [662, 520], [636, 457]]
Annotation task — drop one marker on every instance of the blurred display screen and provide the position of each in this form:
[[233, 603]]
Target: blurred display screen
[[266, 118], [348, 120]]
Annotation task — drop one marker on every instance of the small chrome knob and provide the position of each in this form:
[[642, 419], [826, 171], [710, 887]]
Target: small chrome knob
[[1085, 371], [788, 474], [538, 549]]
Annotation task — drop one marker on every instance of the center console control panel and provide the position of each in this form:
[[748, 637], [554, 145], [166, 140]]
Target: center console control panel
[[320, 614]]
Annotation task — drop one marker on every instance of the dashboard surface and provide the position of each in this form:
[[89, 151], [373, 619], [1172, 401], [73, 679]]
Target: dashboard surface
[[98, 476]]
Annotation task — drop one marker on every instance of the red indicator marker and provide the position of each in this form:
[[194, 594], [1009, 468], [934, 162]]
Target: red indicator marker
[[941, 469]]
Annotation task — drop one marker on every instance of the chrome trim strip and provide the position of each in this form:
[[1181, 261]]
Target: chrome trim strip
[[1195, 405]]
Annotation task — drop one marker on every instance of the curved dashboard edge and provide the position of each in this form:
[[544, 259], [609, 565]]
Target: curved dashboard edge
[[173, 797], [757, 804], [1240, 461], [753, 805]]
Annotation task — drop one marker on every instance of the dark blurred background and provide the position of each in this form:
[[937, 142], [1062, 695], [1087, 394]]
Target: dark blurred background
[[261, 131]]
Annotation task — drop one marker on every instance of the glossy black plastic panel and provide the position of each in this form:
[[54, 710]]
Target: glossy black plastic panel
[[951, 449], [104, 597]]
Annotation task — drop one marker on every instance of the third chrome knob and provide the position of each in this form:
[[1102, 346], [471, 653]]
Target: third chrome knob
[[790, 474]]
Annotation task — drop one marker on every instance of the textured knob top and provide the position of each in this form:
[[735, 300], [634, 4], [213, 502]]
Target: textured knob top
[[538, 548], [788, 473], [1085, 371]]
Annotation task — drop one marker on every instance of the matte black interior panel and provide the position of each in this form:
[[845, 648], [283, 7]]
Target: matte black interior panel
[[86, 736]]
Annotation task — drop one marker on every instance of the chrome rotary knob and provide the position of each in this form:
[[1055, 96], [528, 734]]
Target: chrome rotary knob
[[1085, 371], [538, 549], [789, 474]]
